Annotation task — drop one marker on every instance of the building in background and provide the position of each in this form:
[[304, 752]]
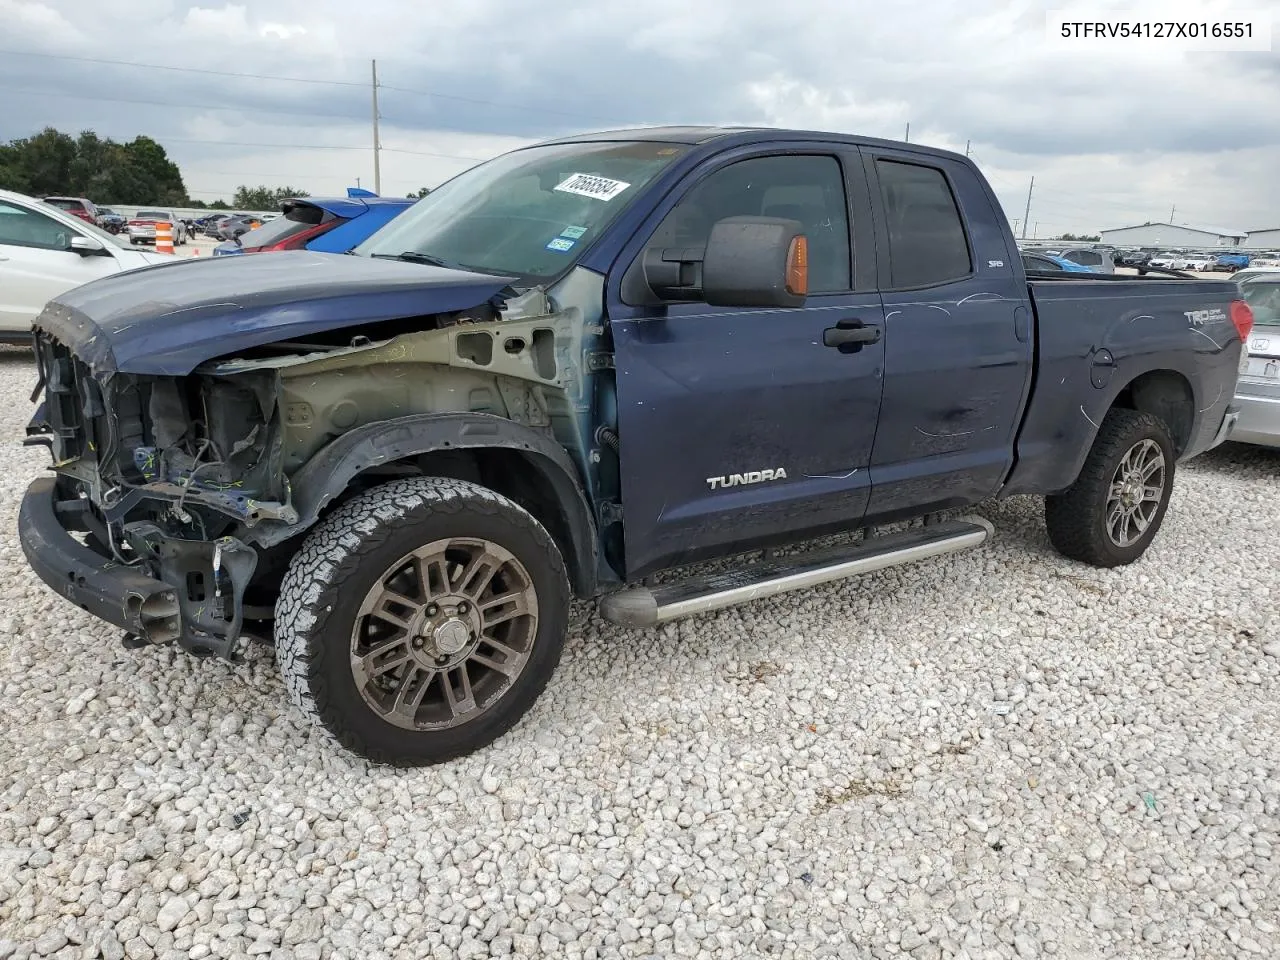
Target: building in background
[[1172, 235], [1268, 239]]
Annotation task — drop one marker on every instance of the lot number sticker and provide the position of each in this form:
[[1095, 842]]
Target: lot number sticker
[[586, 185], [561, 244]]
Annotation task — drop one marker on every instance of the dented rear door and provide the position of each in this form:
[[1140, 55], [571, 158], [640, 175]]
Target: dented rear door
[[958, 335]]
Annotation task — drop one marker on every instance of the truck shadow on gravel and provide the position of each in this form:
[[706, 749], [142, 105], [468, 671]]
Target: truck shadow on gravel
[[1243, 460]]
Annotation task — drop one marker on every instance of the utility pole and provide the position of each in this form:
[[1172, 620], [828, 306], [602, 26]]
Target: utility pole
[[907, 136], [966, 147], [1171, 209], [377, 171], [1027, 216], [1015, 225]]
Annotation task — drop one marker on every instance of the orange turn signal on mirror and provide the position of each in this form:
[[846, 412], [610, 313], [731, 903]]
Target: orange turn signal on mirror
[[798, 267]]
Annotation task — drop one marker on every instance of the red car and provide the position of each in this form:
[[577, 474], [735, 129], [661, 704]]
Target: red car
[[77, 207]]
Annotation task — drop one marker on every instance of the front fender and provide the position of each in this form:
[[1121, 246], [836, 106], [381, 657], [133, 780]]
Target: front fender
[[327, 474]]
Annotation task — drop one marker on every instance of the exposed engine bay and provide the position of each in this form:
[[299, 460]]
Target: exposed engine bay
[[196, 478]]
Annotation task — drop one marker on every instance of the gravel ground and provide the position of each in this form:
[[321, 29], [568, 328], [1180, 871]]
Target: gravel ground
[[995, 754]]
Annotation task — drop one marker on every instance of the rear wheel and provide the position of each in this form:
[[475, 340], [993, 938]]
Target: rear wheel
[[1110, 515], [422, 619]]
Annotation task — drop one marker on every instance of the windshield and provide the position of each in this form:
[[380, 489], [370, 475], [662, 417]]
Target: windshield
[[527, 214], [1263, 297]]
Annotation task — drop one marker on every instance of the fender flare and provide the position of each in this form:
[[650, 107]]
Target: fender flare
[[329, 472]]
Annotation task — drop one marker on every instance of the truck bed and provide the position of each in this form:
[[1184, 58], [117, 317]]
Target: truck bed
[[1100, 332]]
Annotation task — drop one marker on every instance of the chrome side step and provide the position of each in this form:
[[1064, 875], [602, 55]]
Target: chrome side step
[[639, 607]]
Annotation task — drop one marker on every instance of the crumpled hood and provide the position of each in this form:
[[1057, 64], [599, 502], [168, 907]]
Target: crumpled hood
[[168, 319]]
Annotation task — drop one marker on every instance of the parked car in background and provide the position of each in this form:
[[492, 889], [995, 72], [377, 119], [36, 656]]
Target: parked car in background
[[1040, 263], [1258, 388], [1200, 263], [112, 222], [1171, 261], [235, 226], [77, 207], [326, 224], [1099, 261], [1231, 262], [46, 250], [209, 225], [1135, 258], [1240, 276], [142, 226]]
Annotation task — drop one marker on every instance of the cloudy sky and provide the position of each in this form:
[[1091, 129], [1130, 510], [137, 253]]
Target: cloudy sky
[[1112, 138]]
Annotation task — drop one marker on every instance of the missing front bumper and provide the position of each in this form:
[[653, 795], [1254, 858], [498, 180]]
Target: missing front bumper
[[186, 603]]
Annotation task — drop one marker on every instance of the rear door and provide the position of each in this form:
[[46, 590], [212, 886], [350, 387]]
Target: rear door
[[958, 350], [37, 264], [739, 427]]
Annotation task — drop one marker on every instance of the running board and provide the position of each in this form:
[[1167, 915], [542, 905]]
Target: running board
[[639, 607]]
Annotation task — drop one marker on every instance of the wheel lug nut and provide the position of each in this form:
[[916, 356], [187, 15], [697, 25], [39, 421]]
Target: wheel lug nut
[[417, 643], [432, 610], [462, 607]]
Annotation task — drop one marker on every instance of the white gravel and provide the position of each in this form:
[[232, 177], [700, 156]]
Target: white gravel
[[995, 754]]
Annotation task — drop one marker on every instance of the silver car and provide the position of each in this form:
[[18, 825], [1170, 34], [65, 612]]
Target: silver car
[[142, 226], [1258, 389]]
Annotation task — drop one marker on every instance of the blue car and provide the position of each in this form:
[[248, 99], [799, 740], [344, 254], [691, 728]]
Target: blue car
[[1044, 263], [323, 224]]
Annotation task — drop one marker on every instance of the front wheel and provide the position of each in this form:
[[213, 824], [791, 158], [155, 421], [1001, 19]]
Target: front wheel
[[1110, 515], [422, 619]]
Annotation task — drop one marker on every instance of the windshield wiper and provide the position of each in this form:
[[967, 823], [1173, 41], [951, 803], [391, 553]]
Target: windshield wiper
[[413, 256]]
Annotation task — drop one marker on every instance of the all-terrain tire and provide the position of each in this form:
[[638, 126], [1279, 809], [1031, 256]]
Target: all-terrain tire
[[1077, 518], [349, 553]]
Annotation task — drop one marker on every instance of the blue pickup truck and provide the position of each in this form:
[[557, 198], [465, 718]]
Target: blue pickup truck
[[578, 366]]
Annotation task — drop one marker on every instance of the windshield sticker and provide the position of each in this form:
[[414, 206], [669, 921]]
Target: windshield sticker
[[573, 233], [561, 244], [586, 185]]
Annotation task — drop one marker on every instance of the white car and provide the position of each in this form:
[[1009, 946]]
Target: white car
[[142, 226], [44, 252], [1202, 264], [1172, 261]]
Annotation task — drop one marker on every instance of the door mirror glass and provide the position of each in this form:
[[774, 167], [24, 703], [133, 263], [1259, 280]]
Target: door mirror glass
[[86, 246]]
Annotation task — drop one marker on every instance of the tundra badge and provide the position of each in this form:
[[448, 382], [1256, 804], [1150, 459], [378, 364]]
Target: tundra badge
[[737, 479]]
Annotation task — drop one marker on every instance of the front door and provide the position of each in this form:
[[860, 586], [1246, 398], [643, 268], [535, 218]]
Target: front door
[[740, 427]]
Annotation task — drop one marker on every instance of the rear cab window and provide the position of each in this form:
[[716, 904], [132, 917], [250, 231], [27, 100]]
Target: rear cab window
[[928, 245]]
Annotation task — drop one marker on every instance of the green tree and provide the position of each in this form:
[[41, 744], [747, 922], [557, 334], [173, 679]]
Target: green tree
[[1083, 238], [219, 204], [263, 197], [419, 193], [52, 163]]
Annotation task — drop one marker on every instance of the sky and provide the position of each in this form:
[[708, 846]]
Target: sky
[[1112, 138]]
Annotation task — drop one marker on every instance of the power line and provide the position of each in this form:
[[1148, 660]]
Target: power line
[[339, 83], [160, 66], [180, 106]]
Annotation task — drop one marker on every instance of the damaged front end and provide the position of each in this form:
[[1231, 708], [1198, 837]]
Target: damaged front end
[[166, 476], [188, 493]]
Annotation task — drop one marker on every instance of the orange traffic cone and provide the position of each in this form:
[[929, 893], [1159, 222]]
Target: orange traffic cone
[[164, 236]]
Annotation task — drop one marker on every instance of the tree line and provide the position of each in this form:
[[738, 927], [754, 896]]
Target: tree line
[[138, 173]]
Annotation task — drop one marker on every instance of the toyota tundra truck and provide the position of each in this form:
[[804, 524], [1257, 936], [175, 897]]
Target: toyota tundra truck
[[580, 370]]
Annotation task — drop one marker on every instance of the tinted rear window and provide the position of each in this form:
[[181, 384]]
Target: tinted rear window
[[1085, 258], [295, 220], [927, 242], [62, 204]]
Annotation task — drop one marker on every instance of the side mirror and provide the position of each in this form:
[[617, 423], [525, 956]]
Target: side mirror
[[86, 246], [747, 262]]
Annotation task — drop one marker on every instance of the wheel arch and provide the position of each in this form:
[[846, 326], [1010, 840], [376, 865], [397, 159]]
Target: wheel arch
[[1166, 394], [465, 446]]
